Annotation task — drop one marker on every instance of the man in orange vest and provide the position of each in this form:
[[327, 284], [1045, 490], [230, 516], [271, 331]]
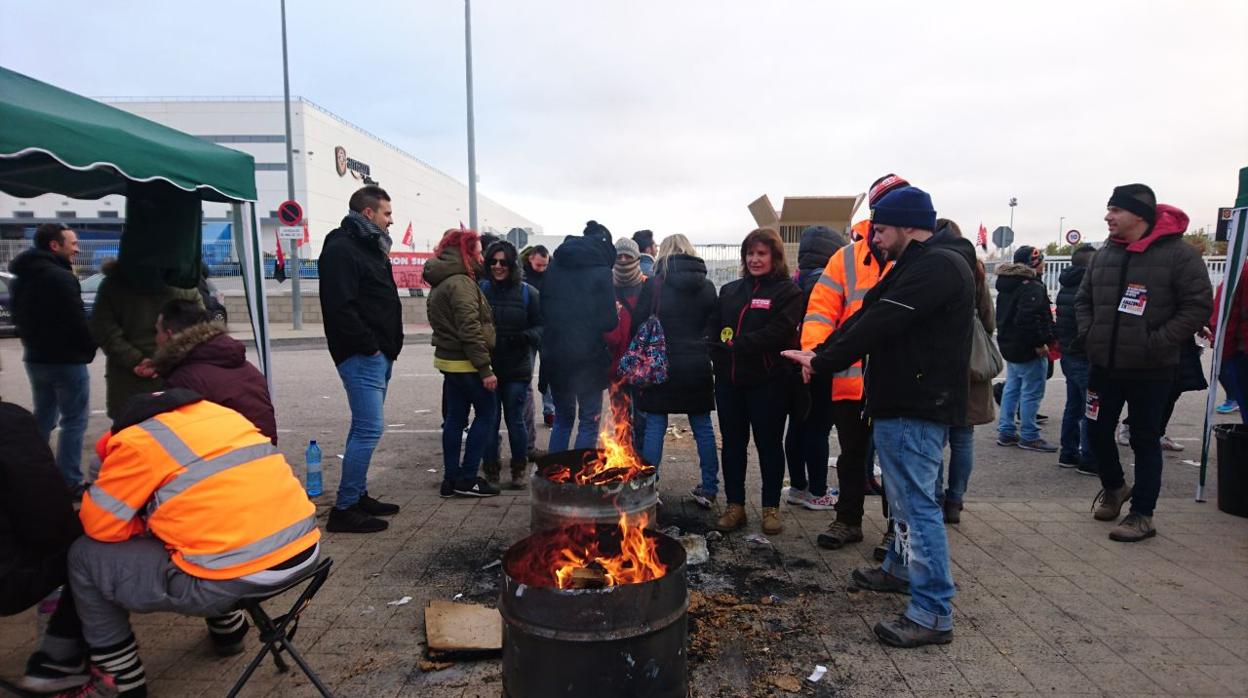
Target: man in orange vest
[[193, 509], [850, 273]]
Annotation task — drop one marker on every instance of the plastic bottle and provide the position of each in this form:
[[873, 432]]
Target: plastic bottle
[[313, 459], [43, 614]]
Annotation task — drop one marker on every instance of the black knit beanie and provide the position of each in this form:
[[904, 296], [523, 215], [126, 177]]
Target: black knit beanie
[[1136, 198]]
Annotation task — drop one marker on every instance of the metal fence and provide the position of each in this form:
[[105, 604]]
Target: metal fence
[[1053, 267]]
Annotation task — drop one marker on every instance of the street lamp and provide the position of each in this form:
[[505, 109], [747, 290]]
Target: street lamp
[[1013, 203], [472, 145], [1061, 223]]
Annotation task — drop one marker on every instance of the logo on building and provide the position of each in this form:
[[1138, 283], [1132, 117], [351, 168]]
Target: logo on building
[[344, 164]]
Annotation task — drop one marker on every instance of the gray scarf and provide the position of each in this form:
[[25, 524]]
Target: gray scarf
[[366, 229]]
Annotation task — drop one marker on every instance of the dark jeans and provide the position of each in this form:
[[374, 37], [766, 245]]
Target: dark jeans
[[1075, 446], [806, 442], [1147, 402], [1235, 370], [510, 397], [29, 581], [762, 410], [462, 392], [853, 433]]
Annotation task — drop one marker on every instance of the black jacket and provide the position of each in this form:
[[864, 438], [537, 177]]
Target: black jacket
[[757, 319], [1067, 327], [813, 254], [517, 319], [37, 519], [1024, 319], [687, 310], [359, 300], [48, 311], [578, 309], [915, 330]]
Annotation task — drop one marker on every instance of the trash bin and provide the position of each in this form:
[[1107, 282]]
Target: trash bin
[[1232, 468]]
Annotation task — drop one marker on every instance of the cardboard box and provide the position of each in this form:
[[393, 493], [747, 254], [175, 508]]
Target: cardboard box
[[798, 212]]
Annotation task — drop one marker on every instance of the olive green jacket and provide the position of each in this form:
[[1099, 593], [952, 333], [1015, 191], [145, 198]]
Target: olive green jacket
[[460, 316]]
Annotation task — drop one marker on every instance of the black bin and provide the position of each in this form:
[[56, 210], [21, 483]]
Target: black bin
[[1232, 468]]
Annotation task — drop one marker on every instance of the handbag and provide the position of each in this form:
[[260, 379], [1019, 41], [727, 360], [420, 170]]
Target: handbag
[[645, 363], [986, 360]]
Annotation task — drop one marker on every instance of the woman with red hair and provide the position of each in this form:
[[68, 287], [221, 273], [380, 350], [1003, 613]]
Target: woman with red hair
[[463, 337]]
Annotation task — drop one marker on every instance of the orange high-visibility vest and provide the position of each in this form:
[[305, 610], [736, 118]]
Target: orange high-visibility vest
[[850, 273], [209, 485]]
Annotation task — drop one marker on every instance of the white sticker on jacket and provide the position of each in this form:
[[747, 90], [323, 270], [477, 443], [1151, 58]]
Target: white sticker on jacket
[[1134, 300], [1092, 409], [761, 303]]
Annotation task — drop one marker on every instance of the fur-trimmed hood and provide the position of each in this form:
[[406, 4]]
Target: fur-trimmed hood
[[206, 343]]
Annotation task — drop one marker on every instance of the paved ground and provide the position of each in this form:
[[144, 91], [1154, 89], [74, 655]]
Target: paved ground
[[1046, 604]]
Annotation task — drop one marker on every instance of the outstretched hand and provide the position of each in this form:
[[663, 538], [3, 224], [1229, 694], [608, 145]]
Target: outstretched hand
[[803, 359]]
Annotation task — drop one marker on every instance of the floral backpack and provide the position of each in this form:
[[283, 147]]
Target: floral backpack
[[644, 363]]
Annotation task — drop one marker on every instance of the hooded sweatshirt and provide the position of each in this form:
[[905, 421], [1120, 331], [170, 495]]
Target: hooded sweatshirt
[[817, 246]]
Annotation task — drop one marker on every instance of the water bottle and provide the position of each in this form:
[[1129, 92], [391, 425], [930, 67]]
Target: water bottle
[[43, 615], [313, 459]]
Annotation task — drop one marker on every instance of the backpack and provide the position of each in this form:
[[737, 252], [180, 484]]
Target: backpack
[[645, 363]]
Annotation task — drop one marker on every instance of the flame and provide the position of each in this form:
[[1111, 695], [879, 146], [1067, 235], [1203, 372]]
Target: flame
[[616, 461], [554, 556]]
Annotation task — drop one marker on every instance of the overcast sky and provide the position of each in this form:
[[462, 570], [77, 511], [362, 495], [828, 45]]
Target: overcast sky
[[675, 115]]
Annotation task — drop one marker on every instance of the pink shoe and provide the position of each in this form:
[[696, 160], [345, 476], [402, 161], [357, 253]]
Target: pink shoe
[[824, 503]]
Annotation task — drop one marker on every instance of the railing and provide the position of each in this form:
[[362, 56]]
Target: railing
[[1053, 267]]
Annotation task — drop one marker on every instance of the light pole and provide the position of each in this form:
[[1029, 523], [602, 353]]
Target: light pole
[[472, 145], [1061, 223], [296, 302], [1013, 203]]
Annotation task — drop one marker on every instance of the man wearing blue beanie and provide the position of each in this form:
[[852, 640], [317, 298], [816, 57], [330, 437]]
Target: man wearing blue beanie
[[915, 330]]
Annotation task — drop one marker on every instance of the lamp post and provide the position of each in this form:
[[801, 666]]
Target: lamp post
[[1013, 203], [1061, 223], [296, 301], [472, 145]]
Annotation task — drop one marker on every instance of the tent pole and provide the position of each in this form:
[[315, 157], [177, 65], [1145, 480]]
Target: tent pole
[[1230, 283]]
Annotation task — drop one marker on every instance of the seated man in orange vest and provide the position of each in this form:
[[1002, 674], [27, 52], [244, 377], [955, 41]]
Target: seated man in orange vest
[[193, 509]]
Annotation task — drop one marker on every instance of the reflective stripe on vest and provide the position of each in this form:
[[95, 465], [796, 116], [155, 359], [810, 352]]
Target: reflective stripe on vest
[[831, 283], [258, 549], [197, 469], [111, 504], [849, 264], [817, 317], [854, 371]]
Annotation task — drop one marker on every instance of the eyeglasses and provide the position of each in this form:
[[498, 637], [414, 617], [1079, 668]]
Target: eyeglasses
[[498, 262]]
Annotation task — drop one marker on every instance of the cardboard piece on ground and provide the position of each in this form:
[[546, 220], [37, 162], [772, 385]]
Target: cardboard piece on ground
[[462, 627]]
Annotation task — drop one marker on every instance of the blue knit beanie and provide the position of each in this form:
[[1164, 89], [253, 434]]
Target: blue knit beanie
[[907, 207]]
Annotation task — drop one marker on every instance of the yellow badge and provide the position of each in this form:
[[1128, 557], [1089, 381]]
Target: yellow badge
[[725, 335]]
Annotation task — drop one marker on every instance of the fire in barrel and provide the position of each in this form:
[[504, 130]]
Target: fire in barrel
[[593, 485], [594, 609]]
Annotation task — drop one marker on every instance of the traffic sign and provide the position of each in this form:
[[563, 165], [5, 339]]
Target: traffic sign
[[290, 232], [1003, 236], [1073, 237], [290, 213]]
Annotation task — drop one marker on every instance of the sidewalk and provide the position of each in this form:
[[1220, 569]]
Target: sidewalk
[[283, 336]]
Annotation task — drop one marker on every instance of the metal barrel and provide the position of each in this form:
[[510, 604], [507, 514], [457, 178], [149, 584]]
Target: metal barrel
[[625, 640], [555, 504]]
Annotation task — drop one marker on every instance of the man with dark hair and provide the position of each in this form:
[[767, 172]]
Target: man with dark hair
[[1144, 296], [51, 321], [364, 328], [1076, 452], [534, 262], [1024, 330], [645, 243], [195, 353]]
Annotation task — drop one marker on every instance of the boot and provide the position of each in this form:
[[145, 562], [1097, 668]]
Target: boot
[[881, 551], [953, 511], [1133, 528], [771, 521], [1108, 503], [491, 470], [903, 632], [519, 473], [838, 535], [733, 518]]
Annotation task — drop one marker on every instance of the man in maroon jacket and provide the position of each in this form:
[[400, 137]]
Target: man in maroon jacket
[[196, 354]]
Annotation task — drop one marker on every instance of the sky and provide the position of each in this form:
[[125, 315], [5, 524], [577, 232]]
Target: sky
[[673, 116]]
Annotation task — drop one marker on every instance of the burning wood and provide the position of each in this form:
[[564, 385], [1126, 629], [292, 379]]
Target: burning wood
[[591, 557], [615, 462]]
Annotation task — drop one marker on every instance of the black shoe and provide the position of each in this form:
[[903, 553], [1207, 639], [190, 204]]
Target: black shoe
[[353, 520], [903, 632], [373, 507], [881, 551], [1067, 462], [448, 489], [227, 633], [876, 579], [475, 488], [1087, 469], [46, 675], [953, 511], [1041, 418]]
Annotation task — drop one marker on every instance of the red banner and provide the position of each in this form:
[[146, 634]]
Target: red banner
[[409, 268]]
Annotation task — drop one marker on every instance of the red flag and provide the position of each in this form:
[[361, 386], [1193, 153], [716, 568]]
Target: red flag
[[407, 237], [281, 256], [307, 237], [983, 237], [279, 269]]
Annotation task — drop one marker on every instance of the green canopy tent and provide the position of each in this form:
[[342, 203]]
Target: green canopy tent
[[54, 141]]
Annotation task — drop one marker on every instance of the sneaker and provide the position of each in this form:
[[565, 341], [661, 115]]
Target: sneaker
[[448, 489], [46, 675], [1108, 504], [1087, 469], [475, 488], [792, 495], [733, 518], [821, 503], [1038, 445], [771, 521], [1007, 439], [838, 535], [1227, 407], [881, 551], [1041, 418], [1133, 528], [100, 685], [1168, 444], [702, 497], [876, 579], [374, 507], [1124, 434], [953, 511], [353, 520], [903, 632], [1067, 462]]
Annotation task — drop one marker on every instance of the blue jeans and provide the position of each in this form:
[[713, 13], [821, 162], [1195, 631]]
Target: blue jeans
[[567, 402], [510, 404], [365, 379], [1075, 446], [910, 453], [462, 392], [703, 438], [64, 390], [961, 462], [1024, 388]]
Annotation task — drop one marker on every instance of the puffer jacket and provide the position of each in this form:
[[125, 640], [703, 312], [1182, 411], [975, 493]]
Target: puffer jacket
[[460, 317], [813, 253], [517, 319], [1067, 327], [1024, 320], [577, 313], [1168, 276], [757, 319], [687, 310]]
